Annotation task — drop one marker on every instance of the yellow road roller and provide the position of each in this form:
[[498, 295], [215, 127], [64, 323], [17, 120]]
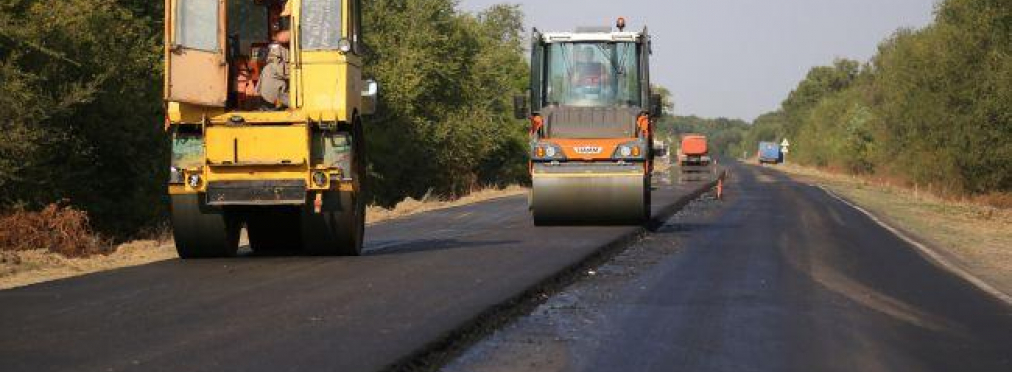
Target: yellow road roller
[[592, 117], [264, 106]]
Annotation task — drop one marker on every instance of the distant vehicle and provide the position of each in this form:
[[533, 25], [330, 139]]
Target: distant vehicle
[[694, 151], [662, 149], [769, 153]]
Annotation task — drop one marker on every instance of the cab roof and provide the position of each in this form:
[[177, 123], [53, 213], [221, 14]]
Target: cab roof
[[600, 36]]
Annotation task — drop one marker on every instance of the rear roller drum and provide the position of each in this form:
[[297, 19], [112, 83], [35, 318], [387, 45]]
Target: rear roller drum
[[352, 224], [201, 231], [274, 233], [340, 231], [333, 232]]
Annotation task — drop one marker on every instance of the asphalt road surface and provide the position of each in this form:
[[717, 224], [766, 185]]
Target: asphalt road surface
[[424, 276], [778, 277]]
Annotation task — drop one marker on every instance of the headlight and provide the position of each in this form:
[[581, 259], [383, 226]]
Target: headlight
[[546, 151], [630, 150], [194, 180], [344, 45], [320, 179]]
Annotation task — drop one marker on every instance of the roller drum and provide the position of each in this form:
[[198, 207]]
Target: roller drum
[[200, 231], [590, 199]]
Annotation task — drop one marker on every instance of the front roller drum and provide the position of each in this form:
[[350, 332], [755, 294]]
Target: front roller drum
[[201, 231], [589, 199]]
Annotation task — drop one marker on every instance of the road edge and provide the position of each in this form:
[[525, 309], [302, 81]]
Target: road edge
[[931, 254], [435, 354]]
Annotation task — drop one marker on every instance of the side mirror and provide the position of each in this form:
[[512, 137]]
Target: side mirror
[[370, 97], [520, 109], [656, 105]]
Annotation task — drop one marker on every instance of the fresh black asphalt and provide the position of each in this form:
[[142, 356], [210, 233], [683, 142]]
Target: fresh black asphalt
[[424, 277]]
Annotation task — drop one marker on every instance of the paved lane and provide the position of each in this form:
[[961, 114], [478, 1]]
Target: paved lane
[[425, 276], [782, 277]]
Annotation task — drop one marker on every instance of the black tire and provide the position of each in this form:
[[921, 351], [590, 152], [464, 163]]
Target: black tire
[[201, 231], [274, 232]]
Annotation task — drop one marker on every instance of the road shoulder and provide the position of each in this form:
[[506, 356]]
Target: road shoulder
[[967, 239]]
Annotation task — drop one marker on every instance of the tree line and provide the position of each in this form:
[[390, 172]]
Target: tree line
[[723, 135], [933, 107], [81, 116]]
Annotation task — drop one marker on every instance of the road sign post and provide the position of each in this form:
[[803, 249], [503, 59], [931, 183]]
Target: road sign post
[[785, 148]]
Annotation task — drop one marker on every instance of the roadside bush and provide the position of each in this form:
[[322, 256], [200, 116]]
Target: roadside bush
[[59, 228]]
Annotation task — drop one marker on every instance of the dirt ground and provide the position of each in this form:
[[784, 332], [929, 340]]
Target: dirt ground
[[29, 267], [23, 268], [412, 206], [977, 237]]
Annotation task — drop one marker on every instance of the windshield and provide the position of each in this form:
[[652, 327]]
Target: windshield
[[321, 24], [592, 74]]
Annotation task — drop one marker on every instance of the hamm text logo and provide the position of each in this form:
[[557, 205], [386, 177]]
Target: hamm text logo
[[587, 150]]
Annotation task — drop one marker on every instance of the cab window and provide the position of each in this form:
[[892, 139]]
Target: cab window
[[197, 24], [248, 25], [320, 24]]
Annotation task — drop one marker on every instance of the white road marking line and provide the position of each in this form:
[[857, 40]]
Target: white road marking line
[[935, 256]]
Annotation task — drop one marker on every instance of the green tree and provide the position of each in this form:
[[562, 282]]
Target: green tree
[[81, 110], [444, 124], [932, 107], [667, 98]]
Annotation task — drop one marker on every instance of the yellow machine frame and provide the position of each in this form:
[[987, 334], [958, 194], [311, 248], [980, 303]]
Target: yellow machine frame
[[326, 87], [233, 167]]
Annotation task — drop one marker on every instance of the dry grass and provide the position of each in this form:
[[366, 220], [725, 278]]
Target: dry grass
[[976, 232], [62, 229], [411, 206]]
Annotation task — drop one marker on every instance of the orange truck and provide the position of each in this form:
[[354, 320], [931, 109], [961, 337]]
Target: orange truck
[[592, 116], [694, 151]]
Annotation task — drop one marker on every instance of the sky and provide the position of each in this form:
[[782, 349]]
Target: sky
[[736, 58]]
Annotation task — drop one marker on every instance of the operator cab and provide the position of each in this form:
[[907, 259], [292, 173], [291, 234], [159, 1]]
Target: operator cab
[[255, 25], [218, 50], [589, 83]]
